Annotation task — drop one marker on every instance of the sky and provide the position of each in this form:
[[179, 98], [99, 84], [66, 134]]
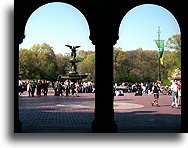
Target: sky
[[138, 28]]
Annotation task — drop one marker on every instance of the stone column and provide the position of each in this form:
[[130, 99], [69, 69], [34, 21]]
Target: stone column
[[104, 98], [17, 122]]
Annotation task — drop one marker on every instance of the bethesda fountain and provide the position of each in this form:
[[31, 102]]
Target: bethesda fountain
[[72, 74]]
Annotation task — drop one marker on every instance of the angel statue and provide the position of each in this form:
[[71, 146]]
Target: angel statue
[[73, 50]]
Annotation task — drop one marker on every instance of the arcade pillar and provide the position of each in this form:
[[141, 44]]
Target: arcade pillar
[[104, 98]]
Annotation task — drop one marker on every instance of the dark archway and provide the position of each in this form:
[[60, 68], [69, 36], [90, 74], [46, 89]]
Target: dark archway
[[104, 19]]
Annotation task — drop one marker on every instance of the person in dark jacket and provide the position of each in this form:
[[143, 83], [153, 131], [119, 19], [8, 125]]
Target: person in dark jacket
[[155, 92], [39, 88], [33, 86], [73, 88], [60, 88], [45, 87]]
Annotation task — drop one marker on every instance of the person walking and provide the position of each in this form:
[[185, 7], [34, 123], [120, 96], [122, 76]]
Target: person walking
[[155, 92], [174, 89]]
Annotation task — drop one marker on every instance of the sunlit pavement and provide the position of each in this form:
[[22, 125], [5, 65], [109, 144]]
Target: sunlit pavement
[[62, 114]]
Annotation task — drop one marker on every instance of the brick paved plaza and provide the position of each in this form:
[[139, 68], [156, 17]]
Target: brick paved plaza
[[53, 114]]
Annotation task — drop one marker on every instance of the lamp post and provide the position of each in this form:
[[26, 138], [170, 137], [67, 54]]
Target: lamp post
[[159, 64]]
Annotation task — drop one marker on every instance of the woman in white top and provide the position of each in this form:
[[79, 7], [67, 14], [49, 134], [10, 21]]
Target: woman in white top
[[29, 88], [174, 89]]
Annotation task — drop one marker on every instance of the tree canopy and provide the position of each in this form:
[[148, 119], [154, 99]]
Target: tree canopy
[[40, 62]]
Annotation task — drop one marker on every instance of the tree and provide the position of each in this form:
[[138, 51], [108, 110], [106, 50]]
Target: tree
[[81, 55], [87, 66], [141, 65], [62, 64], [121, 66], [138, 65], [174, 42], [135, 65], [173, 59], [45, 61], [25, 62], [38, 62]]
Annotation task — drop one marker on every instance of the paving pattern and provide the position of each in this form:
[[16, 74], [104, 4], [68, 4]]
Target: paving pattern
[[61, 114]]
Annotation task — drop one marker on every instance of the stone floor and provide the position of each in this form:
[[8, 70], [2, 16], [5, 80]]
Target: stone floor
[[53, 114]]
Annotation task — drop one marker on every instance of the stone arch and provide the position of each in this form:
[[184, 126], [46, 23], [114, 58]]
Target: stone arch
[[104, 19]]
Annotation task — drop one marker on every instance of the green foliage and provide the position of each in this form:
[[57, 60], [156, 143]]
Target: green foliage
[[174, 42], [81, 55], [135, 66], [142, 65], [166, 82], [139, 65], [39, 62], [87, 66], [172, 59], [62, 64]]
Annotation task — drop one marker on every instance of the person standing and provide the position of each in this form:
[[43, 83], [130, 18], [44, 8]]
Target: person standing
[[33, 86], [29, 88], [60, 88], [67, 89], [56, 89], [72, 88], [93, 87], [150, 88], [20, 84], [39, 88], [155, 92], [174, 89], [179, 93], [45, 87], [77, 88]]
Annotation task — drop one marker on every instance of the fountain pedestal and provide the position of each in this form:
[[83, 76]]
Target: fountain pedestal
[[72, 74]]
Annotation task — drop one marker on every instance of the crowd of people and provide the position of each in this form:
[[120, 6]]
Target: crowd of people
[[154, 89], [175, 90], [71, 88], [33, 87], [66, 87], [140, 88]]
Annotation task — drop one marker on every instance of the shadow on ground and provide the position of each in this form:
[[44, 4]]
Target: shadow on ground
[[54, 120]]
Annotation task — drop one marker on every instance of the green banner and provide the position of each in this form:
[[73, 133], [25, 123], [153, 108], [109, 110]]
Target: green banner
[[160, 45]]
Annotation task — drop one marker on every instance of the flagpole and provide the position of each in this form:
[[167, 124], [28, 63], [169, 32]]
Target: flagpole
[[159, 64]]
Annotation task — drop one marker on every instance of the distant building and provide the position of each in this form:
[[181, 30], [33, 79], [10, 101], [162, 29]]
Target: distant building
[[67, 54]]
